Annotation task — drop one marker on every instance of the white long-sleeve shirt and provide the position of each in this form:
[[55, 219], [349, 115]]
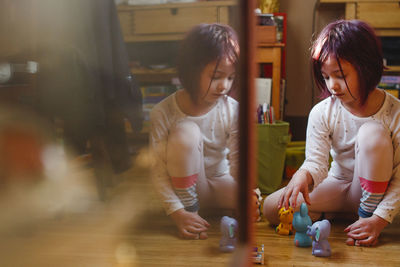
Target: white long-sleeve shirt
[[332, 128], [219, 128]]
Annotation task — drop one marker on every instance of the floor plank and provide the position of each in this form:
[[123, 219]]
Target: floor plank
[[131, 229], [281, 251]]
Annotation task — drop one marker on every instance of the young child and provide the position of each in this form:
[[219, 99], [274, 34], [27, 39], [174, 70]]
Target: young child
[[194, 132], [358, 124]]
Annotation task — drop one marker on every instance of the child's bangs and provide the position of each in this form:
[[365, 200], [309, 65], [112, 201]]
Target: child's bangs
[[324, 49], [230, 51]]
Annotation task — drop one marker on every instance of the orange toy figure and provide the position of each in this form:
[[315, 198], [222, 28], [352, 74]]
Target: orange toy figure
[[286, 218]]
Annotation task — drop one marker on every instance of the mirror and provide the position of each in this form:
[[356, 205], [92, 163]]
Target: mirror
[[74, 155]]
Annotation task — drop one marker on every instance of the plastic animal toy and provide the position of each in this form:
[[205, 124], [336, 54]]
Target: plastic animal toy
[[301, 221], [319, 232], [229, 227], [286, 218]]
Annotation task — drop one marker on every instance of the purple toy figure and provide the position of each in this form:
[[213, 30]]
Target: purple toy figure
[[229, 228], [319, 232]]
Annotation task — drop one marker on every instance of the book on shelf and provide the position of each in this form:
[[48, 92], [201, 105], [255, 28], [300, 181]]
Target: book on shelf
[[282, 98], [263, 90], [390, 79], [391, 84]]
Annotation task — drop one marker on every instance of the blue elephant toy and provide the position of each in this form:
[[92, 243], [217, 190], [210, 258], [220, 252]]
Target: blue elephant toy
[[301, 222], [229, 227], [319, 232]]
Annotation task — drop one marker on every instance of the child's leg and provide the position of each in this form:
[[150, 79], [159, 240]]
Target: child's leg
[[218, 192], [185, 162], [326, 197], [373, 167], [372, 173]]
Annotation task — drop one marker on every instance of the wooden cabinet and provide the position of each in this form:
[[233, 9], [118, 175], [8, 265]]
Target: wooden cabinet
[[383, 15], [169, 21]]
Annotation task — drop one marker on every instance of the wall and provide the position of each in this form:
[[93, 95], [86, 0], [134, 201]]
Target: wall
[[301, 94], [299, 30]]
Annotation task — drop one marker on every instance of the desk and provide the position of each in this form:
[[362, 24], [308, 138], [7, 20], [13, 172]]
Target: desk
[[271, 53]]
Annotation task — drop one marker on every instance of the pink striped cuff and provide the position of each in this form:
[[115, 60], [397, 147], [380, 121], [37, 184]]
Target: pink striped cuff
[[372, 186], [184, 182]]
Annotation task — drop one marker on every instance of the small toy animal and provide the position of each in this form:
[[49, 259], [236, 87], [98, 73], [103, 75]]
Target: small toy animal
[[229, 227], [286, 218], [301, 221], [319, 232]]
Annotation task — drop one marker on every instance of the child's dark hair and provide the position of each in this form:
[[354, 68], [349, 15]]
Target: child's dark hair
[[356, 42], [202, 45]]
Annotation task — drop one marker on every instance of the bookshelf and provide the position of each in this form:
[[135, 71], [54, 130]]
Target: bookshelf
[[154, 31], [272, 53]]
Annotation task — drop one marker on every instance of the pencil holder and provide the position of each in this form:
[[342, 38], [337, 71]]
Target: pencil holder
[[272, 142]]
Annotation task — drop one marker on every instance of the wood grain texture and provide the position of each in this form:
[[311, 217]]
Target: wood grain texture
[[281, 251], [131, 229]]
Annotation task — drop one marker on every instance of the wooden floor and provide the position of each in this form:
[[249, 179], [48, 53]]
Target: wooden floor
[[130, 229], [280, 250]]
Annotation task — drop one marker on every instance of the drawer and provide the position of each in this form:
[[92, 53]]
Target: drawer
[[172, 20], [169, 21], [380, 15]]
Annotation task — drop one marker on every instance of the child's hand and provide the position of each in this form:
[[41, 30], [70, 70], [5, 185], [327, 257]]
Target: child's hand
[[365, 231], [300, 182], [190, 224]]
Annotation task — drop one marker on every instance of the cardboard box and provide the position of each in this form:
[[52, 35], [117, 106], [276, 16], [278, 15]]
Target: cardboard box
[[266, 34]]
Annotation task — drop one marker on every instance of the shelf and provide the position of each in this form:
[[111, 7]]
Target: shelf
[[178, 5], [145, 75], [169, 22], [393, 68]]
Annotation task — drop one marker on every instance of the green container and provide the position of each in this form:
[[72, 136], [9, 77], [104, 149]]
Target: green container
[[295, 155], [272, 142]]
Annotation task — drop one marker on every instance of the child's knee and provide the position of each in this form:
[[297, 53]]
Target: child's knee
[[373, 137], [270, 209], [184, 136]]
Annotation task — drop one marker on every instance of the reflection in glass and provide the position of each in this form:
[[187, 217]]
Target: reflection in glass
[[74, 125]]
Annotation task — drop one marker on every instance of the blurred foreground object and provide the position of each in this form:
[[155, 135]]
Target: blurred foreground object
[[38, 178]]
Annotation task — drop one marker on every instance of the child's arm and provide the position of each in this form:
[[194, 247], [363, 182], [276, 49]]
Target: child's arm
[[315, 167], [318, 141]]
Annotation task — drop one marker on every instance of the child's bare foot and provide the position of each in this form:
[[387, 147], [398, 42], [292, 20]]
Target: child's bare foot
[[203, 235], [350, 241]]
